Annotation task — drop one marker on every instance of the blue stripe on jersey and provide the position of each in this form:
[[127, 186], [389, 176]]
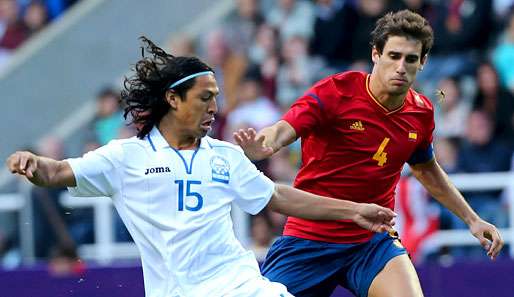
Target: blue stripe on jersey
[[312, 95], [151, 142], [422, 155], [208, 143], [190, 169]]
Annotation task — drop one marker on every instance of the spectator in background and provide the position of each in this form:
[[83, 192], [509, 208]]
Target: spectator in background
[[480, 153], [58, 230], [292, 18], [250, 99], [503, 55], [264, 52], [51, 219], [502, 7], [57, 7], [12, 31], [243, 116], [462, 33], [297, 71], [329, 41], [421, 7], [242, 24], [497, 102], [446, 150], [453, 110], [181, 45], [229, 67], [108, 121], [107, 125], [35, 17], [262, 235], [368, 12]]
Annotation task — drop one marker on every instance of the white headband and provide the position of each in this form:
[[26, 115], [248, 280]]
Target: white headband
[[178, 82]]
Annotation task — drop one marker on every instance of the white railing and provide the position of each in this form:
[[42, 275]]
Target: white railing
[[105, 249]]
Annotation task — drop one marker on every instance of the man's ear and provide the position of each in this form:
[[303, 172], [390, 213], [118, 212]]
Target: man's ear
[[423, 61], [375, 55], [172, 98]]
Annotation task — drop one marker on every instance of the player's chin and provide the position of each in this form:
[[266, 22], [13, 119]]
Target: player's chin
[[398, 90], [204, 130]]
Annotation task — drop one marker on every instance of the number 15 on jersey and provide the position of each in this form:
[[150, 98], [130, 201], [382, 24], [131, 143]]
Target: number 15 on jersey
[[190, 195]]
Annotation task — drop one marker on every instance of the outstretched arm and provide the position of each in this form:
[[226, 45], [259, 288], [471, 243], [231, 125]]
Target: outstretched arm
[[41, 171], [258, 146], [293, 202], [436, 181]]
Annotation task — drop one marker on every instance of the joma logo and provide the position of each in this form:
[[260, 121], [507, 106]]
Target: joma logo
[[157, 170]]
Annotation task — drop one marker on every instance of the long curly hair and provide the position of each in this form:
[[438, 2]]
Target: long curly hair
[[144, 92]]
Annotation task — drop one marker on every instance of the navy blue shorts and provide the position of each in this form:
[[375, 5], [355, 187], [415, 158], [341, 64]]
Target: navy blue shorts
[[313, 268]]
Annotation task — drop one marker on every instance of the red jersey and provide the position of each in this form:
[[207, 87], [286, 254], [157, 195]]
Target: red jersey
[[353, 148]]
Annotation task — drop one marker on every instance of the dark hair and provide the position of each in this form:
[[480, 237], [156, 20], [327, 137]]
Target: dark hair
[[144, 92], [403, 23]]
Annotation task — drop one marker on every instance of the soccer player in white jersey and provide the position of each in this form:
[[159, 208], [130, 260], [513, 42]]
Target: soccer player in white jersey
[[173, 186]]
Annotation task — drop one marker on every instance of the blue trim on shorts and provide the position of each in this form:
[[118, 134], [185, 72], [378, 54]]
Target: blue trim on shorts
[[313, 269]]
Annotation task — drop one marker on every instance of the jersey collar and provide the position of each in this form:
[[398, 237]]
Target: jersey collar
[[157, 141], [382, 107]]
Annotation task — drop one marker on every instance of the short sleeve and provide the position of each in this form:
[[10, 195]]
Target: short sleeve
[[96, 173], [424, 152], [253, 190], [306, 113]]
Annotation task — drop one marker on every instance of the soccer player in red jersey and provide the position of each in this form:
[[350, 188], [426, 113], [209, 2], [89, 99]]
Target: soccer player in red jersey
[[357, 131]]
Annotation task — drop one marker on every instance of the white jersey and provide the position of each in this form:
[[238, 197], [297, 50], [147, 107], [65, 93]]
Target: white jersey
[[176, 205]]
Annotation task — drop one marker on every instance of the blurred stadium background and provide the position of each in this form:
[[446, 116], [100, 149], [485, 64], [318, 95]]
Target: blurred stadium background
[[61, 67]]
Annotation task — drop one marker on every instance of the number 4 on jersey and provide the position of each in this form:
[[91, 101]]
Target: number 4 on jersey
[[380, 155]]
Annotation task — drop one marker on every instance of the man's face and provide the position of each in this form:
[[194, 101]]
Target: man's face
[[398, 64], [195, 114]]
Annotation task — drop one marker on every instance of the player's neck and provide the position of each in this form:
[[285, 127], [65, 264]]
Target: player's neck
[[380, 93], [176, 138]]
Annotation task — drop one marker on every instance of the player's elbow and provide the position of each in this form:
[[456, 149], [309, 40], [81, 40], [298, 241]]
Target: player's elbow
[[278, 201]]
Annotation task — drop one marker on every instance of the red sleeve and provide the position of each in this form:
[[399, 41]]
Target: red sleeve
[[429, 133], [308, 112], [425, 151]]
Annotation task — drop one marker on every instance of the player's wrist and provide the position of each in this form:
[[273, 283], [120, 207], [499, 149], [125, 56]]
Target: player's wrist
[[471, 219], [355, 210]]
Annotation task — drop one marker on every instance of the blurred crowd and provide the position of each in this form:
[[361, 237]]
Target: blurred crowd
[[267, 53], [22, 19]]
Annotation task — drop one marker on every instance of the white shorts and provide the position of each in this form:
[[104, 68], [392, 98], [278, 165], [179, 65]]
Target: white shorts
[[260, 287]]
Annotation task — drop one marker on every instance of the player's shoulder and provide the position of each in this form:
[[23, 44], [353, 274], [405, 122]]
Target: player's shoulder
[[132, 146], [349, 77], [343, 84], [133, 141], [420, 101], [223, 147]]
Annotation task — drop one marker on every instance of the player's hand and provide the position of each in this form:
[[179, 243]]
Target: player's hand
[[252, 144], [22, 163], [374, 217], [489, 237]]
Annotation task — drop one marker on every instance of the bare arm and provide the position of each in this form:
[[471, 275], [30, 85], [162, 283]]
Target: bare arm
[[293, 202], [41, 171], [436, 181], [269, 140]]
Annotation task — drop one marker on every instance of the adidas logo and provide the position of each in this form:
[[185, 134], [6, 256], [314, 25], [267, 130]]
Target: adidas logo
[[357, 126]]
